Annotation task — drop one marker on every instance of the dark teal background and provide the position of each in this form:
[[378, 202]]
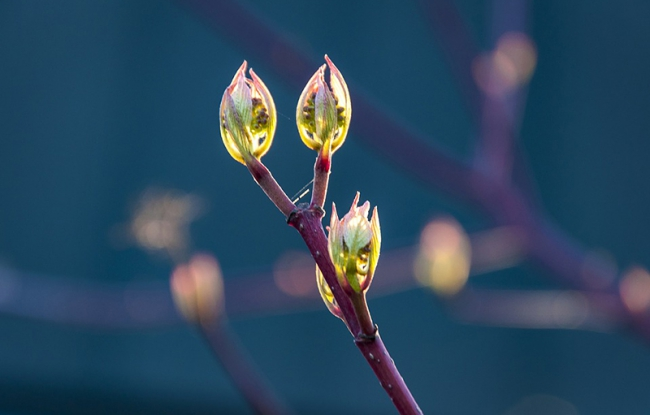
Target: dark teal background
[[100, 100]]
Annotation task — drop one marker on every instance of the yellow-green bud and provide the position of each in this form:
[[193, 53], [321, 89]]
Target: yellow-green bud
[[323, 112], [327, 296], [354, 243], [248, 117]]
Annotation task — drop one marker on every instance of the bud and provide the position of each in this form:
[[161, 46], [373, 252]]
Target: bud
[[248, 117], [444, 258], [197, 289], [327, 296], [354, 243], [324, 111]]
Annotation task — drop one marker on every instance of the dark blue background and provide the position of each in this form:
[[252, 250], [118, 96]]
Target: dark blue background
[[100, 100]]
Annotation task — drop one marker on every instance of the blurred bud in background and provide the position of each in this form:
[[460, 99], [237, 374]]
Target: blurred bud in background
[[509, 66], [197, 289], [161, 220], [160, 223], [635, 290], [444, 258], [291, 274]]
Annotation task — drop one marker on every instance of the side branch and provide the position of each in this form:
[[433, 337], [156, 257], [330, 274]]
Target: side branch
[[266, 181]]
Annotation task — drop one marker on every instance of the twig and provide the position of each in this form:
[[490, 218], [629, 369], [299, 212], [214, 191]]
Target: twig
[[230, 353], [197, 288], [322, 168], [458, 48], [499, 111], [460, 51], [308, 223], [265, 180]]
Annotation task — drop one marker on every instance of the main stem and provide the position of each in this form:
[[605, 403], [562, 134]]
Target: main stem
[[307, 221], [389, 377]]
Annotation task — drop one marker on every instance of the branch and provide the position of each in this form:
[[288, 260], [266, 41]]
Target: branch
[[308, 223], [246, 378], [503, 204]]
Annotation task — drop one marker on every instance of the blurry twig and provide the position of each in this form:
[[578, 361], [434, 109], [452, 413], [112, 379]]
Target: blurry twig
[[160, 223], [198, 291], [236, 363]]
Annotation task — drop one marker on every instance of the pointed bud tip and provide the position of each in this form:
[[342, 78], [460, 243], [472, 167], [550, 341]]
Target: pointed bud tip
[[247, 117], [323, 111]]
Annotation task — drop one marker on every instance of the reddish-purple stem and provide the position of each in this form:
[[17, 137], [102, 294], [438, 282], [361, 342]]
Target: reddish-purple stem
[[389, 377], [265, 180], [368, 328], [322, 168], [307, 221]]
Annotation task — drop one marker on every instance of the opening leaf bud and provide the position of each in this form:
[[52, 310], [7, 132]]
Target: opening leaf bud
[[326, 295], [247, 116], [323, 112], [354, 243]]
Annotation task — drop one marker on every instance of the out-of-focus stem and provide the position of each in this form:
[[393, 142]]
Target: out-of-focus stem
[[247, 380], [499, 112]]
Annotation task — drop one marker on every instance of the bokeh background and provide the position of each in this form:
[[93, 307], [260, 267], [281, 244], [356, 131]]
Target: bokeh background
[[103, 102]]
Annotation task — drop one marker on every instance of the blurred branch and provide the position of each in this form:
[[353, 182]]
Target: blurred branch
[[501, 109], [461, 52], [198, 292], [459, 49], [86, 304], [236, 363], [288, 288], [539, 309], [504, 204]]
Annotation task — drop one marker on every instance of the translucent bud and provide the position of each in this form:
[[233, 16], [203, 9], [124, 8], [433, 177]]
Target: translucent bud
[[354, 243], [197, 289], [323, 113], [248, 117], [327, 296]]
